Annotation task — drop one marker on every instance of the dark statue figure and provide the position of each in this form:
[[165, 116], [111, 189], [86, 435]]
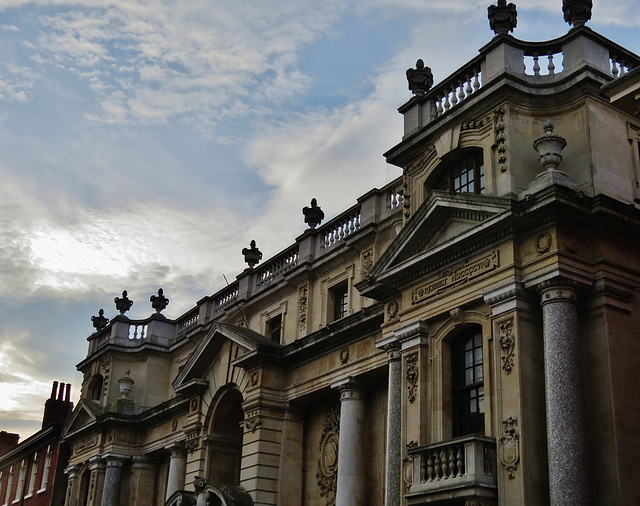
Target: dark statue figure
[[420, 79], [159, 302], [313, 215], [577, 12], [100, 322], [252, 255], [123, 304], [502, 17]]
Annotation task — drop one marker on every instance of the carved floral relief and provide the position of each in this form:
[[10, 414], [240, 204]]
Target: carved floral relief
[[303, 299], [412, 377], [328, 463], [507, 345]]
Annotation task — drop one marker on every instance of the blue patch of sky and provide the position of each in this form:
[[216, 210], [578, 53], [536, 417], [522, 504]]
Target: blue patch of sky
[[342, 64]]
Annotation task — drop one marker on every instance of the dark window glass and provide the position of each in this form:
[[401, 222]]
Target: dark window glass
[[273, 328], [468, 384], [340, 296], [464, 176]]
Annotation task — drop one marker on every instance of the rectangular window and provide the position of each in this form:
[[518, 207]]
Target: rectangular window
[[273, 328], [468, 384], [340, 300], [21, 475], [45, 471], [32, 475], [7, 494]]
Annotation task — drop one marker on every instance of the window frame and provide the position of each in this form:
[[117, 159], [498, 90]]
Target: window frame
[[473, 158], [467, 386]]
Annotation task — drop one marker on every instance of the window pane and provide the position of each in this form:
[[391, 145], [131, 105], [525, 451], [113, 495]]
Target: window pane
[[478, 353], [468, 377], [479, 374]]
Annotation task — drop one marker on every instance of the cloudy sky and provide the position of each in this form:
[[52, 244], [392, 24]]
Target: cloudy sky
[[144, 143]]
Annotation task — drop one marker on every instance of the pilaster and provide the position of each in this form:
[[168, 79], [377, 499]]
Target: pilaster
[[72, 484], [290, 479], [142, 481], [96, 483]]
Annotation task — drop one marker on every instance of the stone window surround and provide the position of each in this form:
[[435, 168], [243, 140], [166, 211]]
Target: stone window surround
[[330, 282], [280, 309], [440, 387]]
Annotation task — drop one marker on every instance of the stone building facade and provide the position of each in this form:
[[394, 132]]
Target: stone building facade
[[465, 335], [32, 471]]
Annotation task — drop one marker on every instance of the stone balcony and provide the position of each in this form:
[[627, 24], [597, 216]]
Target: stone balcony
[[456, 470]]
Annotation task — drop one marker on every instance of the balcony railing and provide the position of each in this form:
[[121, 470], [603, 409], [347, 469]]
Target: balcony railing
[[187, 322], [465, 464], [134, 333], [275, 267]]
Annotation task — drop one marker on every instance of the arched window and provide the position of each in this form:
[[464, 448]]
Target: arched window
[[467, 381], [95, 388], [463, 174]]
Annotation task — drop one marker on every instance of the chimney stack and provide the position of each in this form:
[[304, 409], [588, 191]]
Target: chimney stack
[[59, 406]]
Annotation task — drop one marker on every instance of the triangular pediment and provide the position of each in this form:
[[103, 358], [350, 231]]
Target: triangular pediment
[[443, 220], [84, 414], [196, 367]]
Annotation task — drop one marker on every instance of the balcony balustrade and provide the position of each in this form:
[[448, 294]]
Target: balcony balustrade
[[461, 468]]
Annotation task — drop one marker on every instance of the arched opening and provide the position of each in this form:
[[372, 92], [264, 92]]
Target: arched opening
[[95, 388], [83, 495], [225, 440]]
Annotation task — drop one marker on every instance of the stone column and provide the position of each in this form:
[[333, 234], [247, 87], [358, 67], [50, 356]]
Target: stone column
[[566, 443], [113, 475], [177, 469], [351, 474], [393, 464]]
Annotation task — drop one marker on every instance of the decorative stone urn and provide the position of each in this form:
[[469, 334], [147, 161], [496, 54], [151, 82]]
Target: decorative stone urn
[[313, 215], [252, 255], [549, 147], [100, 321], [502, 17], [126, 383]]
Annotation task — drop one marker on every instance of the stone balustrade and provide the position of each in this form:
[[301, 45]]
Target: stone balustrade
[[225, 297], [463, 463], [535, 63], [188, 321], [340, 228], [134, 333], [275, 267]]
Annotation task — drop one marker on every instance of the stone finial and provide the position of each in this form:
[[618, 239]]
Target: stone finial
[[252, 255], [126, 382], [100, 321], [549, 147], [577, 12], [420, 79], [502, 17], [123, 304], [159, 302], [313, 215]]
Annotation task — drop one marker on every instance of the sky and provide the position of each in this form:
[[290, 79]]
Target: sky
[[144, 143]]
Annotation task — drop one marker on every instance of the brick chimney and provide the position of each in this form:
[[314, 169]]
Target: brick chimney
[[8, 440], [59, 406]]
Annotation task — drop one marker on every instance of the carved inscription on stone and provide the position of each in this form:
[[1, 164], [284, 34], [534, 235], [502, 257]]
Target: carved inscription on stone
[[507, 345], [86, 444], [412, 377], [510, 446], [455, 276], [328, 463]]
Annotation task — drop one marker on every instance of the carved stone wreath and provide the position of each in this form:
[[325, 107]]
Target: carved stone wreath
[[328, 463], [507, 344]]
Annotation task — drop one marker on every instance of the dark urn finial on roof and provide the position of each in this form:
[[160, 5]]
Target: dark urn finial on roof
[[313, 215], [159, 302], [100, 322], [252, 255], [123, 304], [420, 79], [577, 12], [502, 17]]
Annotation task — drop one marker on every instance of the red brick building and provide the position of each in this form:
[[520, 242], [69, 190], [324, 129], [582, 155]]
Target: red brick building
[[31, 472]]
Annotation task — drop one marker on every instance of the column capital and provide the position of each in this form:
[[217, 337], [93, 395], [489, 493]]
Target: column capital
[[72, 471], [97, 462], [349, 388], [176, 449], [143, 462], [391, 345], [115, 459], [558, 294]]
